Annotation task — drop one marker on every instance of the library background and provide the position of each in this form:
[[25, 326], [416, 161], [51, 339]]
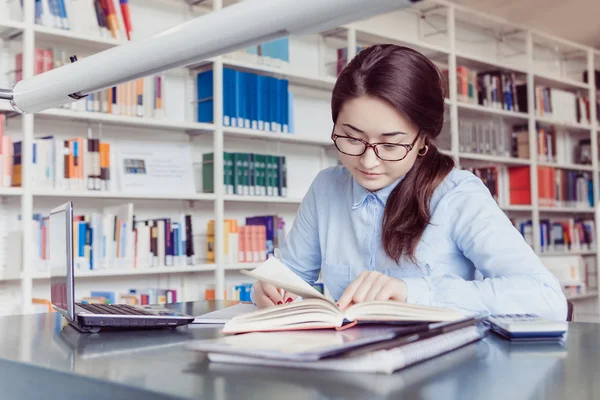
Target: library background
[[139, 160]]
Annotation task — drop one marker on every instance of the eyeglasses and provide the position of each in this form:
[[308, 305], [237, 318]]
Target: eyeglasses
[[385, 151]]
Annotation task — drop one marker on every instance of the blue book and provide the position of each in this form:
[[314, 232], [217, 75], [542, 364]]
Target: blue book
[[204, 83], [261, 103], [273, 104], [245, 99], [283, 100], [277, 49], [290, 112], [237, 117], [252, 100]]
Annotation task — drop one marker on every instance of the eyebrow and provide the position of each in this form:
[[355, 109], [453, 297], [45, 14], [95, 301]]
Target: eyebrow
[[383, 134]]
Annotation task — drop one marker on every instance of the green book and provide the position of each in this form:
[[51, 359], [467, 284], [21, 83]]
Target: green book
[[282, 180], [246, 176], [262, 174], [269, 175], [228, 172], [276, 182], [208, 168], [238, 173], [252, 175]]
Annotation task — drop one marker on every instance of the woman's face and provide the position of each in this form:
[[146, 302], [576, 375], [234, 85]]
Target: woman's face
[[375, 121]]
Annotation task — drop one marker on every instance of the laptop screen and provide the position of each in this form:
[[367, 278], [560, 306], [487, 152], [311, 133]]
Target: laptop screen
[[61, 259]]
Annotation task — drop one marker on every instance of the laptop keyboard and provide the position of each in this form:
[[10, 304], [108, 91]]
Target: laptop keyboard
[[114, 309]]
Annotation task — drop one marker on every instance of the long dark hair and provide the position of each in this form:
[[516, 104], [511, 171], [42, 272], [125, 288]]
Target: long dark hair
[[412, 84]]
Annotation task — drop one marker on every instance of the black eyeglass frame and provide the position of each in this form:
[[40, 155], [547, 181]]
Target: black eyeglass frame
[[409, 147]]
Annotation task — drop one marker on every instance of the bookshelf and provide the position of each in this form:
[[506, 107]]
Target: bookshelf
[[437, 28]]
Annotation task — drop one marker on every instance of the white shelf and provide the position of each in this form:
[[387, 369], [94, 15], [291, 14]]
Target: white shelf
[[110, 272], [570, 210], [578, 167], [262, 199], [8, 27], [518, 207], [63, 113], [318, 82], [477, 62], [491, 111], [67, 38], [135, 271], [567, 253], [559, 82], [564, 124], [583, 296], [118, 195], [364, 36], [496, 159], [10, 191], [275, 136]]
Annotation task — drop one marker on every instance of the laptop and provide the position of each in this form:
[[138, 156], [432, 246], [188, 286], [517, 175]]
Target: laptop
[[93, 317]]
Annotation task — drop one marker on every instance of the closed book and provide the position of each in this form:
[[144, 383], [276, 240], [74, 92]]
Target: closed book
[[390, 356]]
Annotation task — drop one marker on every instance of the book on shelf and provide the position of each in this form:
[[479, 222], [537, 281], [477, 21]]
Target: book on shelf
[[104, 18], [477, 136], [556, 187], [239, 292], [494, 89], [519, 185], [572, 273], [317, 311], [250, 243], [563, 235], [558, 146], [562, 105], [116, 239], [564, 188], [133, 297], [6, 155], [274, 53], [250, 100], [247, 174]]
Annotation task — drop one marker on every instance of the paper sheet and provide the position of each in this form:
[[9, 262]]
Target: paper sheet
[[224, 315]]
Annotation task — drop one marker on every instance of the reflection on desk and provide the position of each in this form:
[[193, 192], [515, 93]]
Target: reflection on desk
[[156, 364]]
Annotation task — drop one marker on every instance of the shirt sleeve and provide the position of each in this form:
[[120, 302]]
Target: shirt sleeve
[[514, 278], [301, 251]]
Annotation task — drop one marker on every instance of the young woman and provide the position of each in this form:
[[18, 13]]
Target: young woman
[[398, 221]]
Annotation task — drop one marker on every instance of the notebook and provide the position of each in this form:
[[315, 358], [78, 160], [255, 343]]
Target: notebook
[[386, 360], [316, 311]]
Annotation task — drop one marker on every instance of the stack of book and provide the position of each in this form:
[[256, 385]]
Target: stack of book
[[494, 89], [561, 105], [109, 18], [250, 101], [250, 243], [114, 239], [247, 174], [133, 297]]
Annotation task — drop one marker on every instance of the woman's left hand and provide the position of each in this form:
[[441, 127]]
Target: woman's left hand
[[372, 285]]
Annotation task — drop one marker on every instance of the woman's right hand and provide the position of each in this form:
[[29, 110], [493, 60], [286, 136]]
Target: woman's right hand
[[267, 295]]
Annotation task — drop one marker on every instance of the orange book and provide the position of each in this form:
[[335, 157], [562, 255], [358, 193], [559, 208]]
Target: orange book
[[248, 243], [242, 244], [519, 185], [262, 242]]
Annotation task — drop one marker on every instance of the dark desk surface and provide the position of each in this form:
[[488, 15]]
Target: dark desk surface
[[41, 357]]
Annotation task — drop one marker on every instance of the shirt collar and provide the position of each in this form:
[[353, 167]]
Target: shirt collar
[[360, 194]]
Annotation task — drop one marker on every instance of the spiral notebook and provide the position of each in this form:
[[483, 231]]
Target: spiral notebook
[[382, 361]]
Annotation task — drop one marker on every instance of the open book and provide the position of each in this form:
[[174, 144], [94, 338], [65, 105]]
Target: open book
[[316, 311]]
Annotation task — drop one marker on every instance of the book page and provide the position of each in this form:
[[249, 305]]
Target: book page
[[224, 315], [276, 273]]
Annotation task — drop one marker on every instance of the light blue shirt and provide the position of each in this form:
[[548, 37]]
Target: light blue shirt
[[337, 231]]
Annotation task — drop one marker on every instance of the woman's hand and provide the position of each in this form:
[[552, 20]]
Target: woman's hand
[[267, 295], [371, 285]]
